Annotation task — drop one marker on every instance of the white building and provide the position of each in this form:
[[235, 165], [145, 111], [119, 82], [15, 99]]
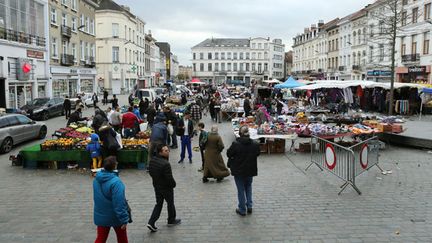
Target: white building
[[219, 59], [414, 56], [24, 58], [174, 66], [152, 61], [359, 45], [120, 42], [345, 43]]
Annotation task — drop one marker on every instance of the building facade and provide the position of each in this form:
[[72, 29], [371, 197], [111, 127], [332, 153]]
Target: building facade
[[72, 47], [218, 60], [24, 58], [120, 49]]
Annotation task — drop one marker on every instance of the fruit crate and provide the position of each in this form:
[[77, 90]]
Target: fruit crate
[[277, 146], [47, 148]]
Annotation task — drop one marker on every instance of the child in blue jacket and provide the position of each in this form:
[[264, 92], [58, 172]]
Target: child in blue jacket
[[94, 148]]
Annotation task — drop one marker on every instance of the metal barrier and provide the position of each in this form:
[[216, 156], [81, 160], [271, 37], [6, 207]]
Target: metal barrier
[[345, 162]]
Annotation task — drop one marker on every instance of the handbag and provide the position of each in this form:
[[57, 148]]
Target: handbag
[[170, 129]]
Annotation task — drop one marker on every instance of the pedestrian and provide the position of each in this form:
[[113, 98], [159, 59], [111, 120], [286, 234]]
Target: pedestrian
[[183, 98], [76, 117], [242, 160], [143, 106], [158, 103], [214, 166], [67, 107], [116, 120], [114, 102], [129, 123], [136, 111], [159, 134], [164, 184], [217, 110], [202, 141], [247, 106], [196, 114], [279, 106], [108, 136], [151, 114], [110, 205], [95, 99], [212, 109], [172, 119], [105, 97], [131, 100], [94, 148], [185, 130], [109, 113], [99, 119]]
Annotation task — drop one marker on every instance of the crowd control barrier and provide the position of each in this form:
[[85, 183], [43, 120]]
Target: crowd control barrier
[[345, 162]]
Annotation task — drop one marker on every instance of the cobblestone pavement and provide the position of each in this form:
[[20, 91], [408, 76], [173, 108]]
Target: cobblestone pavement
[[290, 204]]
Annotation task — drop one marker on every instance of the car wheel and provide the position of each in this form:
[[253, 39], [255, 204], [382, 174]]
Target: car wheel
[[42, 132], [6, 146], [45, 115]]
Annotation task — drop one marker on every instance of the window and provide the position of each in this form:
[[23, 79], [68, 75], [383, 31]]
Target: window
[[247, 67], [74, 24], [404, 2], [404, 18], [259, 45], [427, 11], [115, 54], [247, 55], [54, 47], [381, 27], [222, 55], [73, 5], [266, 66], [201, 56], [253, 45], [194, 67], [414, 44], [381, 52], [253, 67], [253, 55], [216, 67], [259, 67], [92, 29], [371, 53], [371, 31], [87, 25], [241, 55], [426, 43], [414, 15], [235, 55], [82, 20], [241, 67], [235, 67], [82, 50], [209, 56], [65, 47], [115, 30], [403, 46], [24, 120], [202, 67], [64, 19], [259, 55], [229, 55], [209, 67], [217, 55], [265, 45], [92, 50], [194, 56], [53, 16], [222, 67], [229, 67], [74, 51]]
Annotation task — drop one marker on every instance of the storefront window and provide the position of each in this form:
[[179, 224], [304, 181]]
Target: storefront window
[[87, 85], [41, 91], [60, 88]]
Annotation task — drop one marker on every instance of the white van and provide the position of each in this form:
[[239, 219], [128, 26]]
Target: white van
[[150, 94]]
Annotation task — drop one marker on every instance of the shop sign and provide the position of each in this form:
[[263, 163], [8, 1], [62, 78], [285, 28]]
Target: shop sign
[[87, 71], [417, 69], [379, 73], [35, 54]]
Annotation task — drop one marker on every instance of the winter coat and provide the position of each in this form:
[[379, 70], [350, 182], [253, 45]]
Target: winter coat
[[110, 206], [160, 171], [67, 104], [242, 157], [143, 106], [108, 137], [75, 117], [94, 146], [214, 165], [159, 133], [99, 119], [151, 113], [181, 128]]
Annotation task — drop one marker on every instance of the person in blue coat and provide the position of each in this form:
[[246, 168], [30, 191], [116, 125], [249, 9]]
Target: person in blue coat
[[110, 205], [94, 148]]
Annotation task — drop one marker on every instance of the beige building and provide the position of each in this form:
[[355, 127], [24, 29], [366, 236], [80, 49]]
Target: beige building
[[120, 46], [72, 46], [185, 71], [332, 32]]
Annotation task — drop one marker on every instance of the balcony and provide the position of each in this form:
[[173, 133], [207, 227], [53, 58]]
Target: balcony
[[67, 60], [221, 73], [241, 73], [341, 68], [66, 31], [21, 37], [89, 62], [411, 58], [356, 68]]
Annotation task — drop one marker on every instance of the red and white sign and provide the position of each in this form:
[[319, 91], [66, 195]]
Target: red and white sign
[[330, 156], [364, 156]]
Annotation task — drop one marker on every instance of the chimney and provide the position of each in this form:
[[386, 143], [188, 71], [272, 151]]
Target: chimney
[[149, 32]]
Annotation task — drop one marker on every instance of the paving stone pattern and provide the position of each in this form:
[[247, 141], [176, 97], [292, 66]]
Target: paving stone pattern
[[291, 205]]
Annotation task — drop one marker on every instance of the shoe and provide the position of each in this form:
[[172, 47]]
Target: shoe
[[249, 210], [176, 222], [180, 162], [239, 213], [173, 147], [205, 180], [152, 228], [190, 161], [219, 179], [200, 169]]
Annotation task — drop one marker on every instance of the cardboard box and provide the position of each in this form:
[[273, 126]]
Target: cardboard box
[[397, 128], [276, 146], [304, 147], [384, 127]]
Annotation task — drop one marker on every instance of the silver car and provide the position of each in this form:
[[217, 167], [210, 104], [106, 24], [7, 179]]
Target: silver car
[[16, 128]]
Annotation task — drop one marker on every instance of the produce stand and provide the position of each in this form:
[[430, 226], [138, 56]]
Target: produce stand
[[33, 157]]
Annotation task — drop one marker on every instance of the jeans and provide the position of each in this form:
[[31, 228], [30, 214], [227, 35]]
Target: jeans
[[102, 234], [244, 192], [168, 196], [129, 132], [186, 143]]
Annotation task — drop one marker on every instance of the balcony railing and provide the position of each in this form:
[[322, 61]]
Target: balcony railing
[[67, 60], [66, 31], [356, 67], [411, 58], [90, 62], [21, 37]]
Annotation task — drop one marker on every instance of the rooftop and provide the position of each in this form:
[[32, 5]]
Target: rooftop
[[227, 42]]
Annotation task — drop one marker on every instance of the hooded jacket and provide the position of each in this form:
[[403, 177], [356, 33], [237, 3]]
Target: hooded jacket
[[242, 157], [159, 131], [99, 118], [110, 207], [94, 146]]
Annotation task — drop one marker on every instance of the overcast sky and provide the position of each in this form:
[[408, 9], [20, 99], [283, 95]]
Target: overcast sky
[[185, 23]]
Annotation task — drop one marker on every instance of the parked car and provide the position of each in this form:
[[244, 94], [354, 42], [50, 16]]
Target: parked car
[[183, 89], [43, 108], [150, 94], [17, 128], [86, 98]]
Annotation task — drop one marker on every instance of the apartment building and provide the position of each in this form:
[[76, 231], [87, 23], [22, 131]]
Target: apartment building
[[152, 59], [24, 58], [332, 36], [216, 60], [358, 45], [72, 38], [120, 47]]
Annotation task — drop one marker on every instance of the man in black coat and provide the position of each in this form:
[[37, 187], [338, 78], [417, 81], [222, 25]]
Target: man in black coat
[[242, 160], [67, 107], [105, 97], [164, 184], [114, 102], [185, 130], [151, 114], [76, 117]]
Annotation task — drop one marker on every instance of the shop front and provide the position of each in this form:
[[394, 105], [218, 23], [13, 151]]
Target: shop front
[[71, 81], [379, 75], [414, 74]]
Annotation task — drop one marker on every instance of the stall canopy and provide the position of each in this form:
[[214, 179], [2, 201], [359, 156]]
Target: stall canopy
[[289, 84], [329, 84], [427, 90], [196, 81], [235, 82], [273, 81]]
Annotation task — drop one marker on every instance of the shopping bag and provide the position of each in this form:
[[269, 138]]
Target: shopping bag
[[143, 126], [119, 140], [170, 129]]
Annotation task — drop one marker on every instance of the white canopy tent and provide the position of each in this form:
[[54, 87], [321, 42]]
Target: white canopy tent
[[329, 84]]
